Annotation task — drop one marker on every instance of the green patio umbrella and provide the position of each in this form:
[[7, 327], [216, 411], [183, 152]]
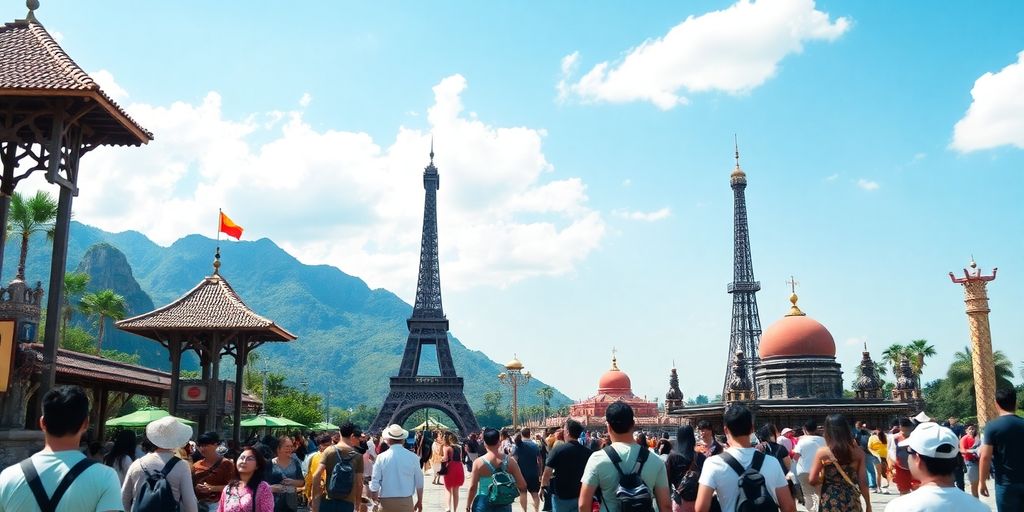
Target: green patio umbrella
[[263, 421], [323, 425], [143, 417]]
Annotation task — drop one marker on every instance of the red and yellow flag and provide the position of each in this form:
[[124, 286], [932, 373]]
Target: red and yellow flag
[[229, 228]]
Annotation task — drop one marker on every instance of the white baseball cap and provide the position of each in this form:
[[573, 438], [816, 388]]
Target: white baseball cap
[[929, 437]]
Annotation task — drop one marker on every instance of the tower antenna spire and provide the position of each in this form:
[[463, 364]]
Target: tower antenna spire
[[431, 149], [736, 145]]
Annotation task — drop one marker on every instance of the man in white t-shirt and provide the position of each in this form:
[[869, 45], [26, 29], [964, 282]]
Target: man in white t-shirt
[[95, 489], [806, 447], [719, 477], [933, 462]]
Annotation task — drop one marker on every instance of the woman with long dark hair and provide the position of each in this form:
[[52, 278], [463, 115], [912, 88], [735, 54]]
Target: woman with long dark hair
[[684, 464], [839, 468], [250, 492], [122, 454]]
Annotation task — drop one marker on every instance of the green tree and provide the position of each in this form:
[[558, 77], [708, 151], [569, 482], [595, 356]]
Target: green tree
[[103, 304], [74, 286], [960, 375], [546, 393], [78, 340], [918, 351], [27, 216], [892, 355], [698, 400]]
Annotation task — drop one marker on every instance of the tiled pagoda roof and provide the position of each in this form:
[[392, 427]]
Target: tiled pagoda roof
[[32, 64], [211, 306]]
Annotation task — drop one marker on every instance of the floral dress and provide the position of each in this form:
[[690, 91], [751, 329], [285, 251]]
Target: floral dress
[[238, 498], [837, 495]]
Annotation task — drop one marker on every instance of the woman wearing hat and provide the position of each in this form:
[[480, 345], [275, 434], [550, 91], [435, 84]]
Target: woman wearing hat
[[166, 434]]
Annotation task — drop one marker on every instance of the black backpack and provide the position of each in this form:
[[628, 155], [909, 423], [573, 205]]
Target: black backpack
[[754, 495], [342, 479], [49, 504], [156, 495], [632, 492]]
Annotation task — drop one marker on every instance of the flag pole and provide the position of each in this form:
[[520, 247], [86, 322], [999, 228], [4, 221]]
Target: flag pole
[[216, 256]]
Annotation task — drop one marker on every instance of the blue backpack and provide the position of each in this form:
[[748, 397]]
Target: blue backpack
[[156, 495], [339, 485]]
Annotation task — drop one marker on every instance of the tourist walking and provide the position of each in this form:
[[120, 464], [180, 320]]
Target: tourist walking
[[899, 457], [344, 452], [527, 455], [249, 492], [313, 493], [90, 486], [454, 474], [286, 479], [122, 453], [721, 473], [969, 445], [211, 473], [482, 475], [397, 475], [878, 446], [1002, 450], [933, 461], [840, 470], [603, 467], [564, 468], [863, 438], [804, 451], [167, 434], [684, 465], [369, 448], [707, 444], [436, 456]]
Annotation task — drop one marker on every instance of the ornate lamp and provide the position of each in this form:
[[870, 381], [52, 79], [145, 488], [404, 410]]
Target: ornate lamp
[[514, 376]]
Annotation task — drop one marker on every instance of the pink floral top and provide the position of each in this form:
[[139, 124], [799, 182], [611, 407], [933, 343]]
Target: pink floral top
[[238, 498]]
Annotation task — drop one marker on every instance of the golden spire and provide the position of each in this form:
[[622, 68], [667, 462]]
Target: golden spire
[[737, 172], [615, 362], [793, 310]]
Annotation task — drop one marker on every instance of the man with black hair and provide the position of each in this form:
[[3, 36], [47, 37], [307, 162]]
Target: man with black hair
[[566, 463], [211, 473], [95, 488], [933, 461], [899, 457], [711, 446], [600, 471], [719, 477], [527, 454], [804, 451], [1003, 449], [344, 449]]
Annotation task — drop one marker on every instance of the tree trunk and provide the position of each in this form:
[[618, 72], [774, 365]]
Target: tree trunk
[[23, 256], [99, 337]]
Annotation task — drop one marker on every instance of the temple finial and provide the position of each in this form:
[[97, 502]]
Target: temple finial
[[216, 262], [32, 6]]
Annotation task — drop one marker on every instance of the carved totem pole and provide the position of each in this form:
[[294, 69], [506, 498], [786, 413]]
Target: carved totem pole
[[976, 300]]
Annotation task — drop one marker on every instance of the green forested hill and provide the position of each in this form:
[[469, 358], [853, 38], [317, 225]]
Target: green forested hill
[[350, 337]]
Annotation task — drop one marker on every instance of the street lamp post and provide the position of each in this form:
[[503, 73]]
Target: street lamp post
[[514, 376]]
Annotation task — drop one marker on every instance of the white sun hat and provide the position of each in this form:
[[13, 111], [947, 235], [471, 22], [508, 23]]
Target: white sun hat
[[168, 433], [396, 432]]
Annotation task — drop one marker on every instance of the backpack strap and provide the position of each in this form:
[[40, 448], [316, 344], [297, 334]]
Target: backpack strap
[[169, 466], [758, 461], [614, 457], [489, 466], [732, 462], [49, 504], [642, 458]]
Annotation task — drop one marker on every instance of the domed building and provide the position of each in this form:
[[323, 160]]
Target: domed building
[[614, 385], [798, 359]]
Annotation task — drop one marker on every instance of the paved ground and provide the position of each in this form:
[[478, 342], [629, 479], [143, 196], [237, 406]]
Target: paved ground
[[434, 499]]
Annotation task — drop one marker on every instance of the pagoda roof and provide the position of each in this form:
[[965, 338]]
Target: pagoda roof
[[211, 306], [34, 65]]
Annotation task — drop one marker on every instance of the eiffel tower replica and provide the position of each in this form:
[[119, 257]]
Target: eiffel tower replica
[[745, 332], [427, 326]]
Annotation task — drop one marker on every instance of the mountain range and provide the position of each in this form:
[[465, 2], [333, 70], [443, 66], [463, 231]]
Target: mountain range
[[351, 337]]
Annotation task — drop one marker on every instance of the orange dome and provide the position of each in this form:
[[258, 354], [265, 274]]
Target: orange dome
[[614, 381], [795, 336]]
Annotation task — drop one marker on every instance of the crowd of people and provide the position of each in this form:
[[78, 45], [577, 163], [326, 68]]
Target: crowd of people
[[834, 467]]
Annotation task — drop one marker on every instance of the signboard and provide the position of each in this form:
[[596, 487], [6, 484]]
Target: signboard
[[229, 394], [6, 353], [192, 392], [27, 332]]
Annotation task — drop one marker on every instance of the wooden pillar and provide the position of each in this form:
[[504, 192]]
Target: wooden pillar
[[104, 405], [174, 346], [213, 395], [241, 357]]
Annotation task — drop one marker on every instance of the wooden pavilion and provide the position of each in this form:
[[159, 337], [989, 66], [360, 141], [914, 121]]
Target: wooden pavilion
[[212, 320]]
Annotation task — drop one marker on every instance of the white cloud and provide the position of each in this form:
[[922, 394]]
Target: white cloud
[[733, 50], [107, 83], [996, 115], [654, 216], [305, 100], [627, 182], [867, 184], [832, 177], [342, 198]]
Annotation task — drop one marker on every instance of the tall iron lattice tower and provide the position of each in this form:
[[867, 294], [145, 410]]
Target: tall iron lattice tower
[[745, 333], [411, 392]]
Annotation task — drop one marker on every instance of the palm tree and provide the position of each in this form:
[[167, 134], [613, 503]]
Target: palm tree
[[103, 304], [35, 215], [546, 393], [892, 355], [961, 373], [917, 351], [74, 285]]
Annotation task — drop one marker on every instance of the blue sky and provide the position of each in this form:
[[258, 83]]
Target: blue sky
[[597, 214]]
